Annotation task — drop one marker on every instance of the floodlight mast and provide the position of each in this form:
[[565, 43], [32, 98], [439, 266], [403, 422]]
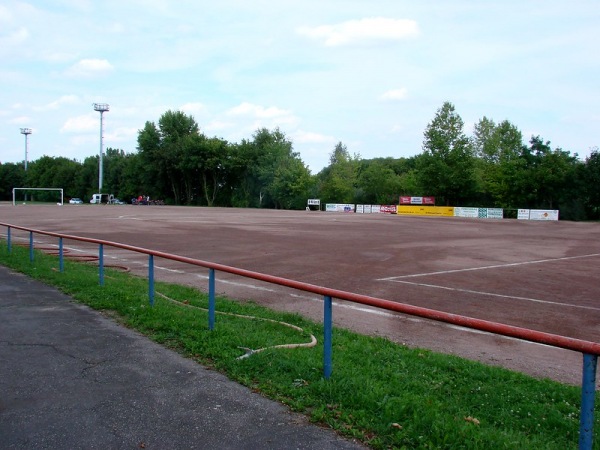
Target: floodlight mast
[[101, 108], [26, 132]]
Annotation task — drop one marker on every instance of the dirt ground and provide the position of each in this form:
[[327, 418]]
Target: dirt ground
[[532, 274]]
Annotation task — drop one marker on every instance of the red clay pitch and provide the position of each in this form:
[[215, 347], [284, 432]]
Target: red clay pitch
[[537, 275]]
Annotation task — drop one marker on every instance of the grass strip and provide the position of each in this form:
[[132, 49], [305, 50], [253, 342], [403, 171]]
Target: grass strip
[[384, 394]]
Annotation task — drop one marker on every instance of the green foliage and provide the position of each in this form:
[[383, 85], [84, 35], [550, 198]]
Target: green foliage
[[11, 176], [591, 181], [381, 393], [446, 168], [268, 173], [179, 164], [378, 183], [338, 182]]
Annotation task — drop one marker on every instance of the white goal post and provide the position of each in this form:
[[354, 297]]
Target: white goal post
[[14, 192]]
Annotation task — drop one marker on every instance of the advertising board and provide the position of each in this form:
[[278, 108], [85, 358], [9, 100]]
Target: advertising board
[[407, 200], [426, 210], [495, 213], [389, 209], [543, 214], [339, 207], [466, 212]]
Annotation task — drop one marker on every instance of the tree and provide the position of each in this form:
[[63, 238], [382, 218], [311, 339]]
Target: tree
[[338, 180], [591, 183], [164, 149], [123, 175], [290, 185], [446, 168], [11, 176], [498, 149], [379, 183], [53, 172], [485, 141]]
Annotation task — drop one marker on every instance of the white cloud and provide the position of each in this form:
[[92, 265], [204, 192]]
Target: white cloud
[[81, 124], [394, 94], [251, 110], [64, 100], [85, 140], [217, 125], [251, 117], [89, 68], [14, 38], [120, 134], [374, 28], [193, 108], [308, 137], [21, 120]]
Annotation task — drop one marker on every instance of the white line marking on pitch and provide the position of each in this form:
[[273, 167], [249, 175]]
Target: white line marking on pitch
[[409, 318], [496, 266], [491, 294], [361, 309]]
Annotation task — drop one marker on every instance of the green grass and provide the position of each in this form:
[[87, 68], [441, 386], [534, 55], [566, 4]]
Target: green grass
[[384, 394]]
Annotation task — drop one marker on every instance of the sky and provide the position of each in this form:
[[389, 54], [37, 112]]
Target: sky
[[369, 74]]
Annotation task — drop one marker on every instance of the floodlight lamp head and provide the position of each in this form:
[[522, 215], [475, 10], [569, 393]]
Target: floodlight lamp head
[[102, 107], [26, 131]]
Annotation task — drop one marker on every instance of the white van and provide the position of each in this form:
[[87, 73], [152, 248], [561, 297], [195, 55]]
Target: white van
[[102, 198]]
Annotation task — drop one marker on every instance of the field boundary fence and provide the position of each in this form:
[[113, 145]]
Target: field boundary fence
[[590, 350]]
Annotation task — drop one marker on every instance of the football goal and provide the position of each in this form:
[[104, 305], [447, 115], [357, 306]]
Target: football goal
[[37, 195]]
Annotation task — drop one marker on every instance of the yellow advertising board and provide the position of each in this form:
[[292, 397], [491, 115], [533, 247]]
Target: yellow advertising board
[[415, 210]]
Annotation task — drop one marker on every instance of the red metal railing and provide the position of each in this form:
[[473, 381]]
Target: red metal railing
[[590, 350]]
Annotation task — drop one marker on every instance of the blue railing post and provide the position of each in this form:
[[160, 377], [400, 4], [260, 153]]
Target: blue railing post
[[101, 264], [61, 262], [588, 395], [151, 279], [8, 240], [327, 336], [211, 299], [31, 246]]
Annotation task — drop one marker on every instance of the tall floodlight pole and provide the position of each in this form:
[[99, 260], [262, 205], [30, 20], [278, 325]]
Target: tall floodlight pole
[[26, 132], [101, 107]]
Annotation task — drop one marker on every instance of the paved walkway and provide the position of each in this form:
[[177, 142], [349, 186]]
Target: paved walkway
[[72, 379]]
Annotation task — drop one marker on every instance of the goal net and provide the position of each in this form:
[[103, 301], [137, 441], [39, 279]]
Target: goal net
[[23, 196]]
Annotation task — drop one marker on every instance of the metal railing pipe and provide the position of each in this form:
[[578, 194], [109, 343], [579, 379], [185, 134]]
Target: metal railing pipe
[[151, 279], [327, 336], [31, 246], [61, 260], [589, 349], [588, 397], [211, 299], [101, 264]]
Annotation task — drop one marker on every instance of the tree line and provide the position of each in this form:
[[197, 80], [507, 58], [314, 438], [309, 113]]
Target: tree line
[[179, 164]]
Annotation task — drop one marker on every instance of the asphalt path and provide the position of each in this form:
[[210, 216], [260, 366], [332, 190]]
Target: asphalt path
[[71, 378]]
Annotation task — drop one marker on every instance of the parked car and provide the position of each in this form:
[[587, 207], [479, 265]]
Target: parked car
[[76, 201], [116, 201]]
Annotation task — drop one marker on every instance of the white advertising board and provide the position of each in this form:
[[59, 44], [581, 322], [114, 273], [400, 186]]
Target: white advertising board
[[466, 212], [543, 214], [495, 213], [339, 207]]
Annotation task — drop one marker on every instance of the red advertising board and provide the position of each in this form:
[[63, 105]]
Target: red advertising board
[[429, 200], [390, 209]]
